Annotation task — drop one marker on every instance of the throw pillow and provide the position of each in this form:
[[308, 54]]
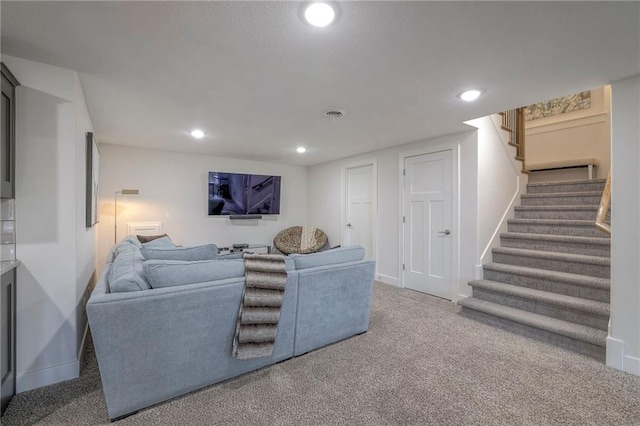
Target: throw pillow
[[149, 238]]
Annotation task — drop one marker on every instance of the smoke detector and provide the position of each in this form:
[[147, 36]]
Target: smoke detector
[[334, 113]]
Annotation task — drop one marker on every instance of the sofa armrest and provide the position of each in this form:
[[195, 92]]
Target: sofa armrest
[[334, 302]]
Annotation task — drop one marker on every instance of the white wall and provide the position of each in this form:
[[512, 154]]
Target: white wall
[[500, 183], [173, 190], [55, 248], [623, 345], [326, 194]]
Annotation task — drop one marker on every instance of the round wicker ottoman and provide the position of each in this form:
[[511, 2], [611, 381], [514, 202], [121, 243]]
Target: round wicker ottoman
[[289, 240]]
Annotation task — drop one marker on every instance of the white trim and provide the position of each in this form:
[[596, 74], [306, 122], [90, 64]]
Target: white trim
[[47, 376], [478, 272], [50, 375], [615, 353], [585, 120], [454, 147], [373, 162], [387, 279], [632, 365], [144, 228]]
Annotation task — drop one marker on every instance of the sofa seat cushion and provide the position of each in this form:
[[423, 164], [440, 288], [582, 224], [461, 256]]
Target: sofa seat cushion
[[205, 252], [169, 273], [328, 257], [126, 272]]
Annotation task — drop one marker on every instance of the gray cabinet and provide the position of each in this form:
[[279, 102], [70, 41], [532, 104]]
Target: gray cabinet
[[7, 133], [7, 337]]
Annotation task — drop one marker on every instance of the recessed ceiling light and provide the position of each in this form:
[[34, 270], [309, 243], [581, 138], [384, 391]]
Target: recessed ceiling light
[[197, 133], [319, 14], [470, 95], [301, 149]]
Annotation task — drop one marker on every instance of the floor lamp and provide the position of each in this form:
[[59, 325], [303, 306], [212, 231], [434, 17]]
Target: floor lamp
[[115, 210]]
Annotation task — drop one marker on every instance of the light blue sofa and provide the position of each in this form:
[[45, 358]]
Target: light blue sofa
[[163, 328]]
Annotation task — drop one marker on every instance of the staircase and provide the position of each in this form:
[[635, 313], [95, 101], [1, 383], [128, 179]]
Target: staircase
[[550, 277]]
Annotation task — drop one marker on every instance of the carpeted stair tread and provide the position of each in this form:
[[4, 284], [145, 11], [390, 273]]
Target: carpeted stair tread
[[539, 296], [575, 331], [604, 241], [570, 186], [588, 207], [577, 211], [563, 194], [544, 274], [565, 222], [548, 255]]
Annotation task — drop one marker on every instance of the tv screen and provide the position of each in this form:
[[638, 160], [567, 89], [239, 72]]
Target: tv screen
[[238, 194]]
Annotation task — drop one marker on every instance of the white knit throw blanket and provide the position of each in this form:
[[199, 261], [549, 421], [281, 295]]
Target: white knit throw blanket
[[307, 239]]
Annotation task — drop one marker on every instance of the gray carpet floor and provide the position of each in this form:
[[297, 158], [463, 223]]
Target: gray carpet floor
[[420, 363]]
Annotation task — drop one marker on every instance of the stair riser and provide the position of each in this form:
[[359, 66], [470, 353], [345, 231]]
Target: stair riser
[[557, 214], [553, 265], [558, 246], [589, 349], [541, 308], [568, 289], [545, 189], [582, 200], [571, 230]]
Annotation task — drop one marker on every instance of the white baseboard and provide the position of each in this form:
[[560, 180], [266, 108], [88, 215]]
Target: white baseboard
[[50, 375], [632, 365], [618, 360], [478, 272], [47, 376], [615, 353], [387, 279]]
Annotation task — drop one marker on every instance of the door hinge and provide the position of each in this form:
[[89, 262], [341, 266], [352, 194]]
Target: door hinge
[[403, 266], [404, 172], [403, 218]]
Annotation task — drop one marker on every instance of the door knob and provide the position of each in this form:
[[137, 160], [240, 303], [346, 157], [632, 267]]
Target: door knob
[[445, 232], [349, 225]]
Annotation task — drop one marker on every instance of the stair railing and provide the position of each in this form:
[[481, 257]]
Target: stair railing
[[603, 209], [513, 123]]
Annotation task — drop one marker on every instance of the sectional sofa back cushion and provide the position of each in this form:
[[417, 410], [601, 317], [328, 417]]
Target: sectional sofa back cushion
[[328, 257], [169, 273], [206, 252], [126, 272], [159, 243]]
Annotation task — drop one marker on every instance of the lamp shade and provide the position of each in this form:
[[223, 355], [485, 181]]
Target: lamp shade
[[130, 192]]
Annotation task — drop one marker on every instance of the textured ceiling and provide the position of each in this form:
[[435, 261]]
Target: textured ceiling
[[256, 78]]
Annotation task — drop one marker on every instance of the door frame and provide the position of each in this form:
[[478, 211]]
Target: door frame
[[373, 162], [454, 147]]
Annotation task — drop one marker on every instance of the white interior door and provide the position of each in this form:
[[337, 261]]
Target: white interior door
[[359, 220], [427, 223]]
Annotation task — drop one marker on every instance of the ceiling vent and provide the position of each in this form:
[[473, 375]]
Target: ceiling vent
[[334, 113]]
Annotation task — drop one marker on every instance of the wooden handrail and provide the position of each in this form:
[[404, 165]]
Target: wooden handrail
[[513, 123], [603, 209]]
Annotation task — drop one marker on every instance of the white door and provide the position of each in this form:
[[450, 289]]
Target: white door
[[427, 223], [359, 218]]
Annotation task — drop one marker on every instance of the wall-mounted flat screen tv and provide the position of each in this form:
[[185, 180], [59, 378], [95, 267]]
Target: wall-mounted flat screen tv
[[239, 194]]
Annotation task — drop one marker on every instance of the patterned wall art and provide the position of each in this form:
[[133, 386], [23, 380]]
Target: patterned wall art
[[562, 105]]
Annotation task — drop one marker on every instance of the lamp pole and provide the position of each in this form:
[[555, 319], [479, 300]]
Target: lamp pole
[[115, 209], [115, 217]]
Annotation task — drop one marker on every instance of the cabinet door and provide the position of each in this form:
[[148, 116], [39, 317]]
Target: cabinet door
[[7, 338], [7, 134]]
